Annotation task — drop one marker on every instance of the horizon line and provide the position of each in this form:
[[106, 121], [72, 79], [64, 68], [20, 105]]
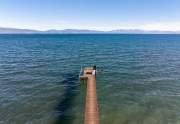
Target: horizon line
[[91, 29]]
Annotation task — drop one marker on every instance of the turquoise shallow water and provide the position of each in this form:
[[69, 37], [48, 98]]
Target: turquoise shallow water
[[138, 79]]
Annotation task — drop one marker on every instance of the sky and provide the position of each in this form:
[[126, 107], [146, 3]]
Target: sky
[[91, 14]]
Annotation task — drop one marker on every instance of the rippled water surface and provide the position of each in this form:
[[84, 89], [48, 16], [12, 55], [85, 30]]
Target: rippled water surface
[[138, 79]]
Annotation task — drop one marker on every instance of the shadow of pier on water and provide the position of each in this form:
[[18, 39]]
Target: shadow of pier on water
[[64, 114]]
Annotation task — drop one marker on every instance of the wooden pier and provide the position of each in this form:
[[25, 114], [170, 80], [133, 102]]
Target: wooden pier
[[91, 115]]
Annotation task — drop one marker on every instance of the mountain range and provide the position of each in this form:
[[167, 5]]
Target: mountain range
[[78, 31]]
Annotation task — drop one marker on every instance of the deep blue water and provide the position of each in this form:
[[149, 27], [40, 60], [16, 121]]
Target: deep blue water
[[138, 80]]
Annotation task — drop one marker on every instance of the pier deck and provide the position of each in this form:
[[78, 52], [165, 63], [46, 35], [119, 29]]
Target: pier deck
[[91, 107]]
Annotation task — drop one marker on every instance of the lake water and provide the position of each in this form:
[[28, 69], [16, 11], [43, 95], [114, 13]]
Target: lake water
[[138, 80]]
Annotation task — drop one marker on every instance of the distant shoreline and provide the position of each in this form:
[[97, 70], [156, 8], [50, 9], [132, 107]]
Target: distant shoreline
[[83, 31]]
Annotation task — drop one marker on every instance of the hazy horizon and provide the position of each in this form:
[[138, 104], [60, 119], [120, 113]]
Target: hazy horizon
[[9, 30], [86, 29]]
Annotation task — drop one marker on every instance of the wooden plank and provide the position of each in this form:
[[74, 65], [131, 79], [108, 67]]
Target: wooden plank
[[91, 107], [91, 115]]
